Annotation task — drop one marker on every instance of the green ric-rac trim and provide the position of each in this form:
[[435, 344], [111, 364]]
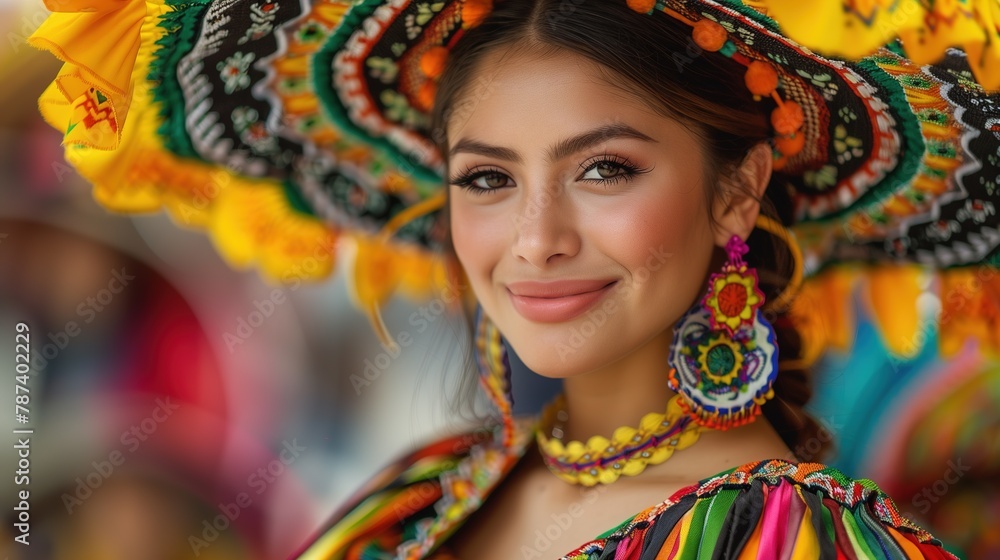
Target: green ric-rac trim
[[295, 199], [896, 46], [751, 13], [322, 70], [182, 26], [615, 529], [908, 128]]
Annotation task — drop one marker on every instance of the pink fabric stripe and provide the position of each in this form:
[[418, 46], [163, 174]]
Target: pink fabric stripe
[[621, 553], [775, 521], [796, 509]]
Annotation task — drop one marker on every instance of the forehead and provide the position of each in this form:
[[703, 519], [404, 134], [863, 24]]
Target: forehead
[[516, 91]]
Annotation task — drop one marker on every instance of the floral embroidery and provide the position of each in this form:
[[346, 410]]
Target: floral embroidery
[[253, 132], [977, 210], [942, 230], [398, 109], [426, 11], [721, 359], [822, 178], [745, 35], [822, 81], [991, 184], [734, 299], [415, 22], [847, 115], [383, 69], [778, 58], [898, 247], [233, 71], [847, 147], [261, 21], [966, 81]]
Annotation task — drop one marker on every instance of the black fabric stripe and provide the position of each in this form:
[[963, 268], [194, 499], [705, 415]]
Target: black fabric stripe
[[741, 521], [609, 551], [827, 550], [662, 526]]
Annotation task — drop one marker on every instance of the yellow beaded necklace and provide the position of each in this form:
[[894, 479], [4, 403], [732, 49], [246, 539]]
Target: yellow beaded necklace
[[628, 452]]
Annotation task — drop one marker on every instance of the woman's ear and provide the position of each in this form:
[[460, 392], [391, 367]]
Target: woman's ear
[[737, 207]]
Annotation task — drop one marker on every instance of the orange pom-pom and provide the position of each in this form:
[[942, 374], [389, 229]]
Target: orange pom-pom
[[642, 6], [425, 95], [433, 60], [787, 118], [790, 145], [709, 35], [475, 11], [761, 78]]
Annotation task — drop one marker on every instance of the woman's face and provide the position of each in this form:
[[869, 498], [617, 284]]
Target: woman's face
[[577, 212]]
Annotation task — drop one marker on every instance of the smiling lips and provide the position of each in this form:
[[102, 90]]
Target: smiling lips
[[554, 302]]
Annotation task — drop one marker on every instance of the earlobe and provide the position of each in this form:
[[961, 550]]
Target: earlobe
[[739, 205]]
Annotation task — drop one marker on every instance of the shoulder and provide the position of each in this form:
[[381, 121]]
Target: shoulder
[[774, 509], [392, 504]]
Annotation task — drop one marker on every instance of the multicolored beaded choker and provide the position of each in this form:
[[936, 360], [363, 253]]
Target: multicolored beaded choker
[[628, 452]]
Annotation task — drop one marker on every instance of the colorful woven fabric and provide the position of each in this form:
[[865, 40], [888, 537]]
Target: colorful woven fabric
[[765, 509]]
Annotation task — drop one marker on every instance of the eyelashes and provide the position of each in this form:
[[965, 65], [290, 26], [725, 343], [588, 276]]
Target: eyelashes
[[626, 171], [467, 179]]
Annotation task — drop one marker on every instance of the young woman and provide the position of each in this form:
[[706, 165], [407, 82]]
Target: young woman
[[620, 176]]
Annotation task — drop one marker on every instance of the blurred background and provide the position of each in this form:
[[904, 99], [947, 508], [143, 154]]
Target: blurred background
[[168, 389]]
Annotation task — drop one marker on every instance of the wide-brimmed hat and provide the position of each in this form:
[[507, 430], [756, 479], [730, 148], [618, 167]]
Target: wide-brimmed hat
[[285, 127]]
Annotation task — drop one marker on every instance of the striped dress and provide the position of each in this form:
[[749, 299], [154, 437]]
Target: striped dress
[[773, 509]]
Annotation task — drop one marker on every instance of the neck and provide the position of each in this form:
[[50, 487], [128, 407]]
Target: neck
[[618, 394], [621, 393]]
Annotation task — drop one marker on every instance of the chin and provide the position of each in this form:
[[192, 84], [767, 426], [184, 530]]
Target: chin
[[553, 351], [551, 364]]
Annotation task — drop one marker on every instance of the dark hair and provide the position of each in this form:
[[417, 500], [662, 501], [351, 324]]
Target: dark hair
[[654, 58]]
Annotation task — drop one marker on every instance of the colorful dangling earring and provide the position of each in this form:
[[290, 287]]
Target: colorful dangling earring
[[724, 357], [494, 372]]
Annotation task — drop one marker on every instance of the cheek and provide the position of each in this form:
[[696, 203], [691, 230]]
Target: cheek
[[478, 241], [667, 226], [663, 241]]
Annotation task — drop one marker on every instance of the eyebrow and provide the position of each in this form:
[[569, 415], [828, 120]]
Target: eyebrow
[[564, 148]]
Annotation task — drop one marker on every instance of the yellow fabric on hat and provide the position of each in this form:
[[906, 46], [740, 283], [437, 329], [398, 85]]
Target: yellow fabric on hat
[[853, 29]]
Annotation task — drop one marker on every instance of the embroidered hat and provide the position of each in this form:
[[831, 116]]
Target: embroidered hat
[[288, 128]]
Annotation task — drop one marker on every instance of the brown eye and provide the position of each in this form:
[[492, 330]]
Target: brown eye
[[484, 181], [607, 170], [495, 180]]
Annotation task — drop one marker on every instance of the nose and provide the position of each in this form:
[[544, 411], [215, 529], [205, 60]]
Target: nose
[[545, 228]]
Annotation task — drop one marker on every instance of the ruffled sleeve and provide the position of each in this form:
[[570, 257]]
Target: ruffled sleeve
[[771, 509]]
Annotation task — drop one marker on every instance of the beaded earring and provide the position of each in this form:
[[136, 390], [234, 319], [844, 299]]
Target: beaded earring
[[724, 357]]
